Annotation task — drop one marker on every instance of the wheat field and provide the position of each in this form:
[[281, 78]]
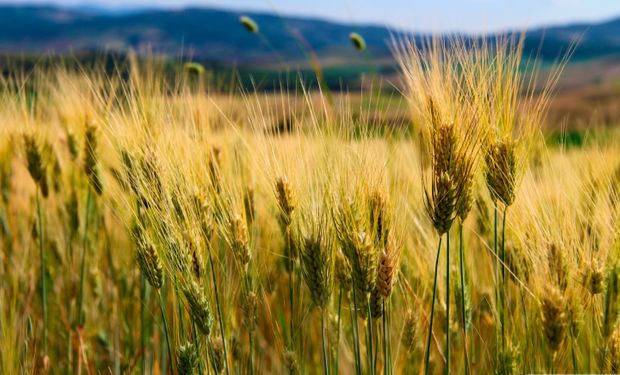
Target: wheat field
[[150, 227]]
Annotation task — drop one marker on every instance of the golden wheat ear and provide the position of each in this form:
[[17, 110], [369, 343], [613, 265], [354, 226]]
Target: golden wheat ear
[[35, 163], [501, 172], [249, 309], [553, 317], [198, 307], [240, 241], [342, 271], [291, 363], [148, 260], [410, 338], [187, 358], [91, 163], [285, 199], [592, 278]]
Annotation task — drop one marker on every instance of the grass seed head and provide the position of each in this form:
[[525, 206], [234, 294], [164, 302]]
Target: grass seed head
[[290, 362], [249, 308], [127, 160], [217, 355], [593, 279], [91, 164], [236, 350], [574, 313], [387, 271], [90, 149], [194, 69], [56, 174], [52, 160], [194, 255], [240, 242], [465, 199], [364, 263], [36, 163], [554, 317], [6, 174], [150, 173], [517, 263], [187, 359], [148, 260], [357, 242], [410, 337], [376, 304], [73, 214], [206, 220], [249, 205], [342, 272], [358, 41], [72, 145], [508, 361], [198, 306], [249, 24], [378, 208], [501, 171], [286, 200], [215, 163], [316, 266], [463, 295], [197, 263], [34, 230], [558, 268], [445, 144], [177, 251], [443, 203]]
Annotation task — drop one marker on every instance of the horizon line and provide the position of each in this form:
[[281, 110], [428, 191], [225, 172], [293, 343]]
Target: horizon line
[[124, 10]]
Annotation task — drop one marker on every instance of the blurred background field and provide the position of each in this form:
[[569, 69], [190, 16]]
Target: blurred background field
[[102, 34]]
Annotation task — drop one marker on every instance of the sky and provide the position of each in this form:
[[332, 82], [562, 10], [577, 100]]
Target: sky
[[413, 15]]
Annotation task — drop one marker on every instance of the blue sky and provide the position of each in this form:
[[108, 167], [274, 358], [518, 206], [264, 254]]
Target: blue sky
[[420, 15]]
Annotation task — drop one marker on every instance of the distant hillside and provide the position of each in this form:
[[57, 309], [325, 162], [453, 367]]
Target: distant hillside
[[215, 35], [205, 33]]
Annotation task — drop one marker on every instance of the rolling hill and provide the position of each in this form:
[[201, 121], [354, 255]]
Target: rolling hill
[[215, 35], [588, 91]]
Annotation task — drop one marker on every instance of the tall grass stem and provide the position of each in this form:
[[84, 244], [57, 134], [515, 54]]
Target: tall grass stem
[[503, 291], [430, 324], [219, 313], [386, 360], [356, 333], [84, 252], [43, 267], [142, 323], [496, 272], [162, 308], [463, 314], [324, 343], [336, 359], [448, 302], [371, 370]]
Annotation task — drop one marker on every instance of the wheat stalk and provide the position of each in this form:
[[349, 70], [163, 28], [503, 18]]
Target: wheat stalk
[[38, 172]]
